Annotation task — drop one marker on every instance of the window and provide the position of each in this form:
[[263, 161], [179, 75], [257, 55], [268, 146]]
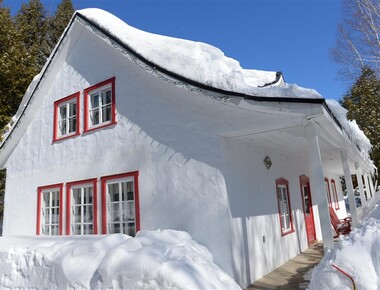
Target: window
[[66, 117], [120, 204], [335, 194], [99, 105], [49, 210], [81, 207], [284, 208], [327, 189]]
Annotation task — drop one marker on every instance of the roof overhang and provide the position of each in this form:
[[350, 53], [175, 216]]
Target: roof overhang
[[26, 114]]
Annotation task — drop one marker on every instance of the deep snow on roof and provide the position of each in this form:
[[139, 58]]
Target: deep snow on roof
[[196, 61], [202, 63]]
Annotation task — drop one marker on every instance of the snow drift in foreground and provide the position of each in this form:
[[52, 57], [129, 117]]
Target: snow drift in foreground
[[357, 254], [165, 259]]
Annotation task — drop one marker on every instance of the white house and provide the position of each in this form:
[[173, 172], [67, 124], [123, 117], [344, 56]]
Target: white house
[[124, 130]]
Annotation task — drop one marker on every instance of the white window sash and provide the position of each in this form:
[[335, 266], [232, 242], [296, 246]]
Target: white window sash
[[70, 116], [101, 108]]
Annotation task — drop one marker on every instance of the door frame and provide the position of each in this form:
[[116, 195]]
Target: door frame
[[306, 180]]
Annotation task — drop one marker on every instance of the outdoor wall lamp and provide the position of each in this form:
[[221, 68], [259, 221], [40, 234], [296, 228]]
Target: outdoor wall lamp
[[267, 162]]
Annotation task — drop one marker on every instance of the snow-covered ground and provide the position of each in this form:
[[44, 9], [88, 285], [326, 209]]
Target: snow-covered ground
[[164, 259], [357, 254]]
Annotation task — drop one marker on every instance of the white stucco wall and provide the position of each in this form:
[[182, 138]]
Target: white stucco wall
[[254, 205], [190, 177]]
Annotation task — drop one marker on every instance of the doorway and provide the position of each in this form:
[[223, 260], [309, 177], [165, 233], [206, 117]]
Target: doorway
[[307, 209]]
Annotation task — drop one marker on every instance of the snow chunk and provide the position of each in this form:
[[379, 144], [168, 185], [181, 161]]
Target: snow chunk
[[164, 259], [196, 61], [357, 254]]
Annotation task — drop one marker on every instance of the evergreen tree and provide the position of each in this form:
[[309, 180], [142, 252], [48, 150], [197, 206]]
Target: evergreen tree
[[26, 41], [56, 24], [363, 104], [30, 23], [15, 67]]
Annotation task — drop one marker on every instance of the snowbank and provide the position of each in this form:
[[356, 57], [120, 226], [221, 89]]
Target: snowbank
[[165, 259], [357, 254]]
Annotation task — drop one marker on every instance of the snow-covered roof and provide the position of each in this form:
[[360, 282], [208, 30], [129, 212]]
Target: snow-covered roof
[[201, 64], [197, 61]]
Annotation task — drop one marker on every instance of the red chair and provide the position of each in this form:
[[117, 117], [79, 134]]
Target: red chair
[[341, 226]]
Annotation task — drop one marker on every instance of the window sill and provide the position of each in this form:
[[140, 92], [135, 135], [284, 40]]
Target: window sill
[[287, 233], [87, 130], [58, 139]]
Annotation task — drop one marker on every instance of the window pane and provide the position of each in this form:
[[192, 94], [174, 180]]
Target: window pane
[[95, 100], [76, 196], [72, 109], [55, 215], [46, 213], [87, 199], [129, 229], [62, 127], [114, 228], [106, 97], [94, 117], [106, 113], [77, 214], [87, 213], [87, 229], [54, 230], [55, 196], [128, 190], [113, 192], [72, 125], [62, 112], [46, 200], [128, 211], [76, 229], [114, 210]]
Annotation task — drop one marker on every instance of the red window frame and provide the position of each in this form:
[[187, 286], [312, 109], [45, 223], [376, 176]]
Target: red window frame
[[284, 182], [86, 93], [329, 201], [39, 206], [335, 194], [69, 185], [56, 114], [104, 180]]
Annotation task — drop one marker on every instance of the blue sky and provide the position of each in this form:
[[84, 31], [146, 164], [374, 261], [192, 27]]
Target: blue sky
[[292, 36]]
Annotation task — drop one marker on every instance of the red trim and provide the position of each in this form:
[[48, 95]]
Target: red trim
[[86, 94], [68, 203], [283, 181], [104, 179], [39, 205], [328, 191], [335, 194], [55, 125], [306, 180]]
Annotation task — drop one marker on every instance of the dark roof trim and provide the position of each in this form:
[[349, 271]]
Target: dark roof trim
[[169, 73], [195, 83], [209, 88]]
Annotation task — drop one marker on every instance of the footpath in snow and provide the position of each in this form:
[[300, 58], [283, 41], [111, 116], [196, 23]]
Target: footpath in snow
[[358, 254], [164, 259]]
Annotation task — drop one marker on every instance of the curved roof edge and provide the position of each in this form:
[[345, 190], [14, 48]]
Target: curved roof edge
[[202, 86]]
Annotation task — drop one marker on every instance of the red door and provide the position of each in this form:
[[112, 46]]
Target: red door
[[307, 209]]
